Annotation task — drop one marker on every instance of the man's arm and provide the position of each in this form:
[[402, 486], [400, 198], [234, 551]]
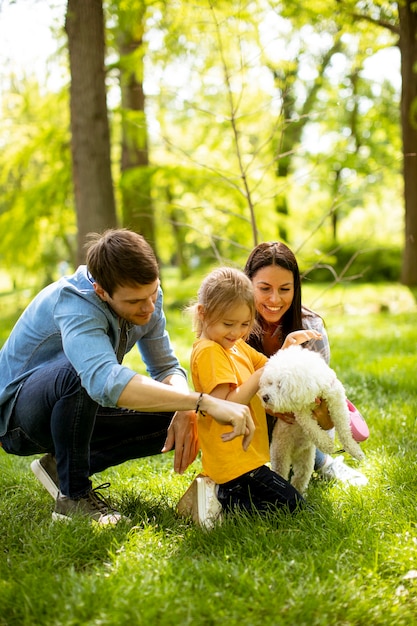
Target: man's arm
[[144, 394]]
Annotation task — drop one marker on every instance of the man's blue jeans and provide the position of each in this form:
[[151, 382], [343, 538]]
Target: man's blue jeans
[[53, 413]]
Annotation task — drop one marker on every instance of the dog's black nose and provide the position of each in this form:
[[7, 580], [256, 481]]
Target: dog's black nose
[[265, 398]]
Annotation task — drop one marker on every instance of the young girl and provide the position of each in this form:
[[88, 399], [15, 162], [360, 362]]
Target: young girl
[[225, 366]]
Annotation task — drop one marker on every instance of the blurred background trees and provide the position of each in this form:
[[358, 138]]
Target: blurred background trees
[[228, 124]]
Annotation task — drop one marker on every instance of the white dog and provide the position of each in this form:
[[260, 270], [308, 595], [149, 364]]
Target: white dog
[[291, 381]]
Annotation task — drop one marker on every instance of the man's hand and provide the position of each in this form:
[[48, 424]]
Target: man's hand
[[182, 433]]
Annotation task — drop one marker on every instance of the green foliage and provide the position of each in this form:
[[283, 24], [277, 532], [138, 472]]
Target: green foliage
[[240, 130], [36, 213], [351, 262], [236, 93]]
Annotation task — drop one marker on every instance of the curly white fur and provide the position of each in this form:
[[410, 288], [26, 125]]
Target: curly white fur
[[292, 379]]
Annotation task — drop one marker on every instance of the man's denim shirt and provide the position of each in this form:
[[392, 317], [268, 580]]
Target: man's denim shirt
[[67, 317]]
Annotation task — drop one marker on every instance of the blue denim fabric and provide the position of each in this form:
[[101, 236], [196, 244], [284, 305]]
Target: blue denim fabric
[[68, 318], [320, 459], [259, 490], [53, 413]]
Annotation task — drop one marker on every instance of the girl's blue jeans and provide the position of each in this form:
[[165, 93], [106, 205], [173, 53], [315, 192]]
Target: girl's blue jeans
[[53, 413], [259, 490]]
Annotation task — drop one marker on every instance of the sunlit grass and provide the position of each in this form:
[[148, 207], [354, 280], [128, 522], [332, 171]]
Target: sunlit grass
[[350, 561]]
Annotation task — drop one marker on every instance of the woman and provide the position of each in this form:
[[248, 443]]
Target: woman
[[275, 276]]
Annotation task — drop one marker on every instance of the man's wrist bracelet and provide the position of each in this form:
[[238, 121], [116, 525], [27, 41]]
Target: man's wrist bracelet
[[197, 407]]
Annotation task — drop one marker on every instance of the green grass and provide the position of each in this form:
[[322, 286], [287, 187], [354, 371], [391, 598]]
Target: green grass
[[348, 561]]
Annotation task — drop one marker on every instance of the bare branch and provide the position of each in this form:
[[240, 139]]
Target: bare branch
[[233, 109]]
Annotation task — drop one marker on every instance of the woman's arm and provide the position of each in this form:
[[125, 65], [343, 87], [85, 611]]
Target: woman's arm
[[314, 322]]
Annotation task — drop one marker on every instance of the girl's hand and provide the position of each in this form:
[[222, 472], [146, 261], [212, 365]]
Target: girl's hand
[[247, 437], [300, 336]]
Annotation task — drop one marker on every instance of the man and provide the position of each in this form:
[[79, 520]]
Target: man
[[64, 392]]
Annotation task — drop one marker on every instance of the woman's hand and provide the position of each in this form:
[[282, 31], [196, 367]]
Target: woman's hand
[[288, 418], [298, 337], [322, 416]]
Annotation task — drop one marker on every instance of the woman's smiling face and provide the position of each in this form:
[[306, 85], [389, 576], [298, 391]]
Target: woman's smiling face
[[274, 292]]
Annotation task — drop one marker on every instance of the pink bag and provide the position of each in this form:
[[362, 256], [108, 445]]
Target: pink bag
[[358, 426]]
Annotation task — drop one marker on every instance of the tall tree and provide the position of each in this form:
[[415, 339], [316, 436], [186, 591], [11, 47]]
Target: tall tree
[[400, 18], [90, 142], [407, 11], [136, 182]]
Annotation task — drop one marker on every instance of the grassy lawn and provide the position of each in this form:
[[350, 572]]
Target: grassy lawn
[[351, 560]]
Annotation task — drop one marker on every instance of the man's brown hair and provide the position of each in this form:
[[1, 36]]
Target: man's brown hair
[[119, 258]]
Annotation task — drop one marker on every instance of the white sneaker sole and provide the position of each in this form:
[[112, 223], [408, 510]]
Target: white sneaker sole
[[44, 478], [209, 509], [57, 517], [105, 520], [195, 503]]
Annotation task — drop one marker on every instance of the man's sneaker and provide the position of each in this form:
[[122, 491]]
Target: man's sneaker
[[336, 469], [93, 505], [200, 502], [45, 471]]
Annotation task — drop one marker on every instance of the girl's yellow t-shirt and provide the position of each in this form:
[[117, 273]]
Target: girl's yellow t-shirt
[[212, 365]]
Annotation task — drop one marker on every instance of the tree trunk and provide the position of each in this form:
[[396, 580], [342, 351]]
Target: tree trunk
[[408, 46], [137, 208], [93, 187]]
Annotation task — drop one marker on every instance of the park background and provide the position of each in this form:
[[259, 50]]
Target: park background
[[209, 127]]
